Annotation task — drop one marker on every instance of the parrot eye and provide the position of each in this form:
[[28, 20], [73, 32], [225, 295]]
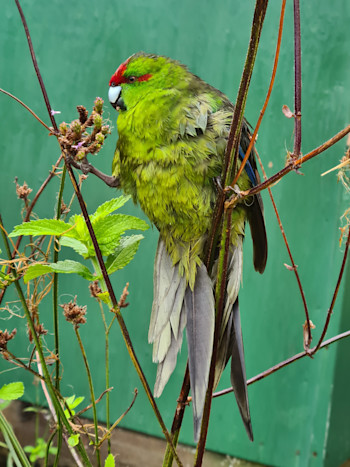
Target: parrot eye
[[131, 79], [113, 85]]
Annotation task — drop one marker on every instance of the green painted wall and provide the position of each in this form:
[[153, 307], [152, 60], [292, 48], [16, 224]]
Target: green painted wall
[[301, 414]]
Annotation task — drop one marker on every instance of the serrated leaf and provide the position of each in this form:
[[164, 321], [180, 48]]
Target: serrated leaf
[[108, 230], [124, 253], [108, 207], [67, 266], [73, 440], [80, 231], [76, 244], [110, 462], [12, 391], [41, 227]]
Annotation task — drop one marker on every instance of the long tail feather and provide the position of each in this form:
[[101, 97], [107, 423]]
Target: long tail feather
[[238, 374], [200, 308], [168, 318]]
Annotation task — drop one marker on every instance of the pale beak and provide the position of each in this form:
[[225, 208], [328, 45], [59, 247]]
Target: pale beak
[[114, 96]]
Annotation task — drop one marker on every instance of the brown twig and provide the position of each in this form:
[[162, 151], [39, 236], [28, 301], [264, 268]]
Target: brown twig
[[116, 423], [26, 107], [272, 80], [29, 211], [294, 266], [285, 363], [35, 63], [292, 165], [335, 294], [297, 89]]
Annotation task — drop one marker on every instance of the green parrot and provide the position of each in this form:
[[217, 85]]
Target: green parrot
[[173, 129]]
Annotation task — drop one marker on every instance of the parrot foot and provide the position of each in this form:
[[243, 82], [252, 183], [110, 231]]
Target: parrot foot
[[87, 168]]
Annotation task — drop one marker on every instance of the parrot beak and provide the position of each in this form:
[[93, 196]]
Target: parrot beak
[[114, 96]]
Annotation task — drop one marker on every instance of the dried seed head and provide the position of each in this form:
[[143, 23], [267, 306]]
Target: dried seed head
[[5, 337], [83, 113], [95, 289], [122, 301], [39, 329], [74, 313], [23, 191], [64, 208]]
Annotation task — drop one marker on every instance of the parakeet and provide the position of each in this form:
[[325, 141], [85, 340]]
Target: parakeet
[[172, 133]]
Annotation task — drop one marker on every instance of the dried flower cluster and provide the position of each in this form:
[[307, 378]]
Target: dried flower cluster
[[22, 191], [39, 329], [74, 313], [95, 289], [123, 297], [5, 337], [74, 137]]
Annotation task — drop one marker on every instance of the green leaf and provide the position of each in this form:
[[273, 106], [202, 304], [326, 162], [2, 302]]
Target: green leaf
[[124, 253], [108, 207], [67, 266], [12, 391], [108, 230], [80, 230], [76, 244], [73, 440], [41, 227], [110, 462], [72, 402]]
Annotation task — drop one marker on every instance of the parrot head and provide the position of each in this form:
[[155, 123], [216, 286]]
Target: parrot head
[[142, 74]]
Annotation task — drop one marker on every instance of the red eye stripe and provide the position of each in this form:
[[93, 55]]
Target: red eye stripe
[[119, 78], [145, 77]]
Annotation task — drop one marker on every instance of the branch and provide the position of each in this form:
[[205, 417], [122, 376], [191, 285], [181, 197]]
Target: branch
[[292, 165], [335, 294], [285, 363], [297, 88]]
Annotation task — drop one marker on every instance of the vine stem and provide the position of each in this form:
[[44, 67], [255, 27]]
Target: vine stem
[[92, 393]]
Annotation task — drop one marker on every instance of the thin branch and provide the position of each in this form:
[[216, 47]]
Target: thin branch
[[28, 213], [26, 107], [35, 63], [297, 86], [294, 266], [109, 432], [335, 294], [292, 165], [262, 112], [285, 363]]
